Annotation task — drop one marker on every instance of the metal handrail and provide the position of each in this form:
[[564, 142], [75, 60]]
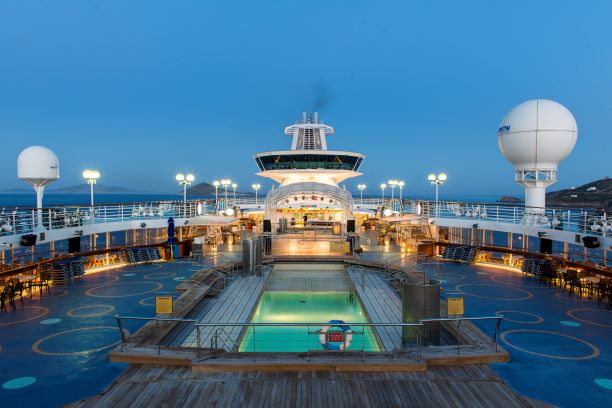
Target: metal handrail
[[148, 319], [219, 327], [498, 320]]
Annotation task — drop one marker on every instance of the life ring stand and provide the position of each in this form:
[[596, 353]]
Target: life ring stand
[[348, 336]]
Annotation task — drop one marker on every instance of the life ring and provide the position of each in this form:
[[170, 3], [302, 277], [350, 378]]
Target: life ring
[[348, 336]]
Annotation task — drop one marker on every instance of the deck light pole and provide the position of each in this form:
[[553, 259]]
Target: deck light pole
[[392, 184], [234, 186], [216, 185], [382, 187], [256, 187], [437, 181], [185, 180], [400, 184], [361, 187], [91, 177], [226, 183]]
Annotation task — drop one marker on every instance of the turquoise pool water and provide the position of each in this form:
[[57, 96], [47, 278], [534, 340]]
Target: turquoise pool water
[[305, 307]]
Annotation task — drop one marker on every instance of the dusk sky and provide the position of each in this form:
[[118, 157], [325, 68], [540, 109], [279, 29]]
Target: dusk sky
[[143, 89]]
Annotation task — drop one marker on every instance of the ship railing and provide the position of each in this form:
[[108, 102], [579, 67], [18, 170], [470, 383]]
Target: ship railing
[[585, 221], [20, 221], [253, 337]]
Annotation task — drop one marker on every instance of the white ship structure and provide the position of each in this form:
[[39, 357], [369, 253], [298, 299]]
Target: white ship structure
[[310, 193]]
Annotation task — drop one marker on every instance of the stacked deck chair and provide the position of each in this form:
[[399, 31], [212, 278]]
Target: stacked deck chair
[[58, 274]]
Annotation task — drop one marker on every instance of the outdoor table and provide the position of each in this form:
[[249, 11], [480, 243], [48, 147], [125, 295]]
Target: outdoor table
[[590, 281], [28, 279]]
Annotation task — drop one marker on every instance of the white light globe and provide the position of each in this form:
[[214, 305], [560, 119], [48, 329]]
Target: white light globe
[[537, 135]]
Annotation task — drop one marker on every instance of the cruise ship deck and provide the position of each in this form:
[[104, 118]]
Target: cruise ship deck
[[305, 296]]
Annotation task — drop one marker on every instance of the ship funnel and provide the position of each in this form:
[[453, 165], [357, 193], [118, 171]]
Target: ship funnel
[[315, 117], [303, 118]]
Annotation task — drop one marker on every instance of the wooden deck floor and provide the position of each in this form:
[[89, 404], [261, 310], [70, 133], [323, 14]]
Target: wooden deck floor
[[234, 305], [168, 386], [382, 304]]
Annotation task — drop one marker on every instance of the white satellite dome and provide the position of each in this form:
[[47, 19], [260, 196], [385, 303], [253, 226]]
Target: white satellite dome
[[537, 134], [38, 165]]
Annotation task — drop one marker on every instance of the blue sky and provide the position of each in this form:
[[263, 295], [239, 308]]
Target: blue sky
[[143, 89]]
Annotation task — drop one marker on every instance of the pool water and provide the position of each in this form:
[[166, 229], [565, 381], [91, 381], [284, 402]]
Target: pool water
[[305, 307]]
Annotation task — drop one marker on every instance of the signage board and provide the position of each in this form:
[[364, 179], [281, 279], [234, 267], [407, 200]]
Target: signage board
[[335, 337], [339, 246], [455, 306], [164, 304]]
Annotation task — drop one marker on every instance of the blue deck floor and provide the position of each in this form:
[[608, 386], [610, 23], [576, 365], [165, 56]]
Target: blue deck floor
[[53, 350], [560, 346]]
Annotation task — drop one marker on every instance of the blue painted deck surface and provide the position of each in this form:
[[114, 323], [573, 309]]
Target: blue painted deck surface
[[560, 346], [53, 350]]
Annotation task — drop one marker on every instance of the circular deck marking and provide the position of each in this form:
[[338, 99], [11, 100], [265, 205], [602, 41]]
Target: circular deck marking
[[36, 346], [147, 268], [594, 350], [566, 296], [517, 284], [505, 313], [113, 286], [19, 382], [43, 312], [449, 275], [158, 275], [114, 278], [604, 382], [528, 295], [107, 309], [606, 313], [63, 292], [145, 303], [570, 323], [51, 321]]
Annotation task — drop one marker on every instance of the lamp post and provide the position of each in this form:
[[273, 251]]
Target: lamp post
[[401, 186], [392, 183], [382, 187], [226, 183], [361, 187], [216, 185], [91, 177], [256, 187], [185, 180], [234, 186], [437, 181]]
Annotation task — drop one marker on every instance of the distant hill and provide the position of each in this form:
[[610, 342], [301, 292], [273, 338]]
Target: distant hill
[[206, 189], [596, 194], [98, 189]]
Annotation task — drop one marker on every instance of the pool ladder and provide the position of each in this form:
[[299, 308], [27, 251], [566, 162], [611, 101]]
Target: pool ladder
[[214, 340]]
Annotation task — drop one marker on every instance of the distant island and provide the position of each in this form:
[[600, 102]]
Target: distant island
[[510, 199], [596, 195], [78, 189], [208, 190]]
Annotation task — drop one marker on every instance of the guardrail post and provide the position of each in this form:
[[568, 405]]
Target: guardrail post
[[497, 324], [121, 333], [458, 336], [198, 341], [254, 342], [158, 337]]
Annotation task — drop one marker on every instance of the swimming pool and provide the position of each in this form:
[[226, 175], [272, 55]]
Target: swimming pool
[[305, 307]]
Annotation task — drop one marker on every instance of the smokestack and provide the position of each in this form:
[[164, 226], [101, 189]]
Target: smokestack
[[315, 117], [304, 117]]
